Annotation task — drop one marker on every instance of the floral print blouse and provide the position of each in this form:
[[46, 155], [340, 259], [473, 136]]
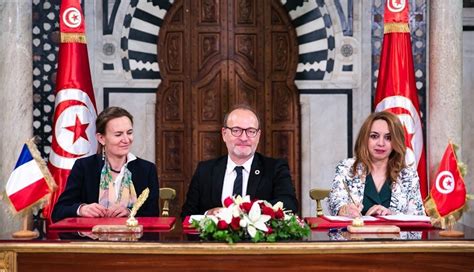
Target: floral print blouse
[[406, 196]]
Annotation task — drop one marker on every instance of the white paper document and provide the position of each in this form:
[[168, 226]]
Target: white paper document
[[407, 218], [345, 218]]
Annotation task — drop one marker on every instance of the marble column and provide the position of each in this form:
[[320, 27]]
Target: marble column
[[16, 117], [468, 112], [445, 78]]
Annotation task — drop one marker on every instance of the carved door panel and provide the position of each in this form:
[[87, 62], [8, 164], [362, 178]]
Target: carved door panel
[[214, 54]]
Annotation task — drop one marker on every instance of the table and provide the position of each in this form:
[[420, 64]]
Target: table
[[177, 251]]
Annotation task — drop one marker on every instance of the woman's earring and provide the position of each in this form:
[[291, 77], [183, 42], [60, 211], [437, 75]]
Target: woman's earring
[[103, 153]]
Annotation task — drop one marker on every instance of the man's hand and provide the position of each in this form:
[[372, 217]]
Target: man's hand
[[213, 211]]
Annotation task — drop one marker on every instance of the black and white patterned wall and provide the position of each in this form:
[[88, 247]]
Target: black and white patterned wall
[[45, 53]]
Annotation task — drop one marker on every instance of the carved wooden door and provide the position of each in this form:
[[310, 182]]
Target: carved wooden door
[[214, 54]]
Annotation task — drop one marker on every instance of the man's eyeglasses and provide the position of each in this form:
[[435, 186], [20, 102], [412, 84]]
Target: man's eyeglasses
[[237, 131]]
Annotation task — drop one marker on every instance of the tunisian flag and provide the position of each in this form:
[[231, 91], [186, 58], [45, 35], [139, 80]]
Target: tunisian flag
[[448, 192], [75, 109], [396, 89]]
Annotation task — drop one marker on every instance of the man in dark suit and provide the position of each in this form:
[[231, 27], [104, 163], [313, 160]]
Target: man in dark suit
[[241, 172]]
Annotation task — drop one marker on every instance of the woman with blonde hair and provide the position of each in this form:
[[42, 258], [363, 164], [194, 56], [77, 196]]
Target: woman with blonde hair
[[377, 181]]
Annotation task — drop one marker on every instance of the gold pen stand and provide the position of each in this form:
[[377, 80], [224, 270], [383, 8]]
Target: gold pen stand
[[117, 229]]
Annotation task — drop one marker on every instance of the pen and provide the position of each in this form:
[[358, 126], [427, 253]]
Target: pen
[[351, 198]]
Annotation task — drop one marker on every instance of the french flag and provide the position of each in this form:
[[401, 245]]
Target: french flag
[[30, 181]]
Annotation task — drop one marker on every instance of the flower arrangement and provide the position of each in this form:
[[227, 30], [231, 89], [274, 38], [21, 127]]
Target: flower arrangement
[[255, 220]]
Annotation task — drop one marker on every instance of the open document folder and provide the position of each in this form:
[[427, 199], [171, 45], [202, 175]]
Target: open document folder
[[405, 221]]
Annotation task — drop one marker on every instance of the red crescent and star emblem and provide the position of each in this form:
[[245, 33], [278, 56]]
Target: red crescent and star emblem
[[396, 5], [445, 182], [79, 129], [72, 17], [74, 133]]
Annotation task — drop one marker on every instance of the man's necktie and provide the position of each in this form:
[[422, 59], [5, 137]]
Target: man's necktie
[[238, 181]]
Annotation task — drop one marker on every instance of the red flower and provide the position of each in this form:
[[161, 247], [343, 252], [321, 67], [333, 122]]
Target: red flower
[[246, 206], [268, 211], [222, 225], [270, 230], [279, 214], [228, 201], [235, 223]]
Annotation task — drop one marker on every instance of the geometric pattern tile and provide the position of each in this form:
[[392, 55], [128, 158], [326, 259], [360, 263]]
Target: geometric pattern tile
[[45, 37]]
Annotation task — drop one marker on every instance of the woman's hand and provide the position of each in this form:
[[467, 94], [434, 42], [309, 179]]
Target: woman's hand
[[117, 211], [92, 210], [351, 210], [378, 210]]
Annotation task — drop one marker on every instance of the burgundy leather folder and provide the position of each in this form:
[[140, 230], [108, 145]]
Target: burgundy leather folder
[[83, 223], [324, 223]]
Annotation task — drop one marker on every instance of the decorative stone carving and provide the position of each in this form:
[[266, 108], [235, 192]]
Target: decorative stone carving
[[209, 11], [178, 16], [280, 55], [210, 100], [282, 142], [172, 145], [245, 12], [174, 45], [108, 49], [276, 18], [7, 261], [209, 47], [246, 93], [246, 47], [173, 102], [281, 103], [347, 50], [211, 145]]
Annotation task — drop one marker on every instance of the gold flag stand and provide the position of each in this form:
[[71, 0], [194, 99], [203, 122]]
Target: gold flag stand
[[450, 231], [25, 233]]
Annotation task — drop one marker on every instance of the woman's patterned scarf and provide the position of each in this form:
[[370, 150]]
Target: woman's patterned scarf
[[107, 194]]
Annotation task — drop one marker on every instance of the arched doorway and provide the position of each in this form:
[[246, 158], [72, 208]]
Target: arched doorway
[[214, 54]]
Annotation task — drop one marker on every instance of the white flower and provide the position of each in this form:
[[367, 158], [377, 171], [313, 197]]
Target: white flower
[[277, 206], [255, 220], [243, 223], [239, 200], [226, 214]]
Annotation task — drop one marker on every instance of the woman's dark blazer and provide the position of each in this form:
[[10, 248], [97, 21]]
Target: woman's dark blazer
[[83, 186]]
